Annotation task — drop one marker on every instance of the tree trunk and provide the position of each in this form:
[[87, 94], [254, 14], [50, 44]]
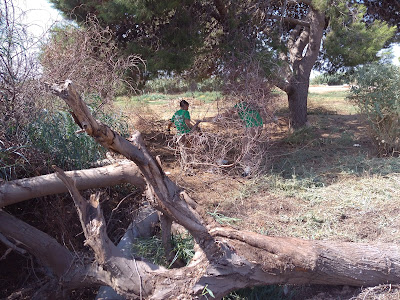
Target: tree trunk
[[304, 45], [297, 97], [225, 259]]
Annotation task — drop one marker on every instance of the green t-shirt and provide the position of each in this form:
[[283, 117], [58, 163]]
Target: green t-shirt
[[249, 115], [179, 120]]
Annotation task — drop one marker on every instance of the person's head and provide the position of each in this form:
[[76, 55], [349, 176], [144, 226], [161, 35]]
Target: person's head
[[184, 105]]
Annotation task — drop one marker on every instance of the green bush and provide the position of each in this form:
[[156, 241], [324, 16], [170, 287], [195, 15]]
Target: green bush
[[331, 79], [177, 84], [377, 95], [55, 134]]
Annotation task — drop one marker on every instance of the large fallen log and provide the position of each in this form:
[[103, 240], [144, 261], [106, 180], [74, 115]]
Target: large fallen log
[[225, 259], [15, 191]]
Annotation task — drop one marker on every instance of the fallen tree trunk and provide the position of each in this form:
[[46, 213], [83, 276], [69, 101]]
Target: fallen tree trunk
[[225, 259], [15, 191]]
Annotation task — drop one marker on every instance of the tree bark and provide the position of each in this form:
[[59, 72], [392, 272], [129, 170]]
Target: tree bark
[[297, 98], [46, 249], [15, 191], [304, 45], [225, 259]]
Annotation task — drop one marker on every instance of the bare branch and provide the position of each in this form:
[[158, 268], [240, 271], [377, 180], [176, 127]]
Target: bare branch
[[11, 246], [167, 193], [12, 192], [106, 253]]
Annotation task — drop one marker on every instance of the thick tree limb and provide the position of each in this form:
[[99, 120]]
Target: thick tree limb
[[12, 192], [11, 246], [46, 249], [168, 198], [107, 254], [316, 33]]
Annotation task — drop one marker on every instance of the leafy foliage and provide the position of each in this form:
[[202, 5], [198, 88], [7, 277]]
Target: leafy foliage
[[182, 35], [387, 10], [349, 41], [377, 94], [55, 134]]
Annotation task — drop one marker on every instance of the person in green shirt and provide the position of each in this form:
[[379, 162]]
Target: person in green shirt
[[253, 123], [253, 126], [181, 119], [249, 114]]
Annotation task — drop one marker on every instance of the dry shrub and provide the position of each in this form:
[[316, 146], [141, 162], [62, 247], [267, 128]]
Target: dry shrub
[[228, 144], [89, 56], [19, 89], [18, 69]]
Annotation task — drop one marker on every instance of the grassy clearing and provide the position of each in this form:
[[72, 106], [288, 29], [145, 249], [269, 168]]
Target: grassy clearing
[[159, 99], [158, 106], [332, 101], [325, 182]]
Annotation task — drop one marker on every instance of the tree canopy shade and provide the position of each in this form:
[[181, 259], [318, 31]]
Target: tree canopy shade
[[211, 36]]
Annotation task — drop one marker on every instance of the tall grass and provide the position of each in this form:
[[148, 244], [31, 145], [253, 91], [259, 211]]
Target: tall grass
[[11, 159]]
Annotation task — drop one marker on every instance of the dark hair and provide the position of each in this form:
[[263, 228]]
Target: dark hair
[[183, 103]]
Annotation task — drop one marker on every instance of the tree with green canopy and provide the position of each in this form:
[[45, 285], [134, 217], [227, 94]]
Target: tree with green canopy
[[286, 37]]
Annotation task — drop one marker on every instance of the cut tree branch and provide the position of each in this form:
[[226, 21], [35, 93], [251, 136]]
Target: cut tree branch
[[12, 192], [46, 249], [167, 194]]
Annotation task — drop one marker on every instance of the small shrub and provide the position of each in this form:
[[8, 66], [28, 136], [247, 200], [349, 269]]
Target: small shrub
[[55, 134], [377, 95], [331, 79]]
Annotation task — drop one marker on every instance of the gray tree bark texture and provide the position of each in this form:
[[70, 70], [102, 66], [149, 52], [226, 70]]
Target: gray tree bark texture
[[304, 46], [15, 191], [225, 259]]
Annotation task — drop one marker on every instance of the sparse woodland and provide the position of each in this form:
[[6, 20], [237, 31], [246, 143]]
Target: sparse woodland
[[83, 72]]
